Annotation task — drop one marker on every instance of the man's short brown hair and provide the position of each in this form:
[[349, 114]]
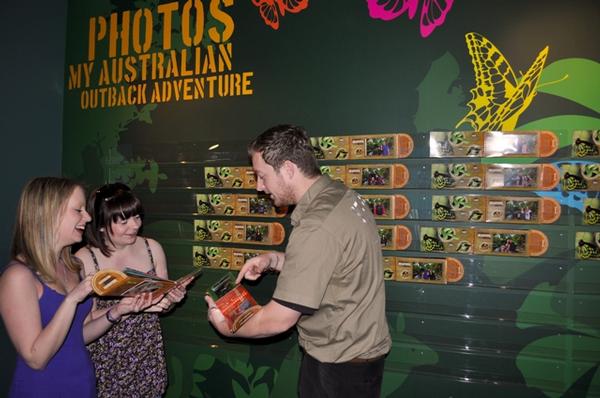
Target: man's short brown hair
[[286, 142]]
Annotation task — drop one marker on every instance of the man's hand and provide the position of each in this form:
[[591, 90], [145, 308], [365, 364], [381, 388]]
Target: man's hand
[[256, 266], [216, 317]]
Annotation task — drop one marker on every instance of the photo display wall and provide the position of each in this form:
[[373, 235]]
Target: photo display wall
[[441, 200], [446, 220]]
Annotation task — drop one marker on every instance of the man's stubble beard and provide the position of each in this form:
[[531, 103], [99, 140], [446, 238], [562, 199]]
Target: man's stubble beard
[[287, 196]]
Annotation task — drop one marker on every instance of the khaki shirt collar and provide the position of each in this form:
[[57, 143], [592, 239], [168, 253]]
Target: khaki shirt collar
[[308, 197]]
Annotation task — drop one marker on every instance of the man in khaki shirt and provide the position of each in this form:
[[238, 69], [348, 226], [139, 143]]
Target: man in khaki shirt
[[331, 276]]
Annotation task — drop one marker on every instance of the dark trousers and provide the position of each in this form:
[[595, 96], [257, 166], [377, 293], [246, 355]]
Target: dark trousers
[[336, 380]]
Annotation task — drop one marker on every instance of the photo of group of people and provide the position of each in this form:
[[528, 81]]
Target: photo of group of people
[[381, 146], [428, 271], [379, 206], [509, 243], [520, 177], [375, 176], [521, 210], [257, 233], [386, 236], [262, 205]]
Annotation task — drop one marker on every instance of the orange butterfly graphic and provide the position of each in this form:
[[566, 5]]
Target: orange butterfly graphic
[[270, 10], [499, 98]]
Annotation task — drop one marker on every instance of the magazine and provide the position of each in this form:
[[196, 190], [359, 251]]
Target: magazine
[[131, 282]]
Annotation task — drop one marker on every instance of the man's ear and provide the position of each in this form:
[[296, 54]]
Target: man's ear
[[289, 169]]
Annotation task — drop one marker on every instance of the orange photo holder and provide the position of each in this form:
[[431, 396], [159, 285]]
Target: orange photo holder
[[377, 176], [239, 231], [511, 242], [521, 176], [381, 146], [533, 210], [428, 270], [257, 206], [371, 146], [258, 233], [401, 269]]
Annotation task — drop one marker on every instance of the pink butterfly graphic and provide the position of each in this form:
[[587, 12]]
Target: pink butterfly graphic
[[433, 12]]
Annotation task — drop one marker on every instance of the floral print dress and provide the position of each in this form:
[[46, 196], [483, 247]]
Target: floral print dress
[[129, 359]]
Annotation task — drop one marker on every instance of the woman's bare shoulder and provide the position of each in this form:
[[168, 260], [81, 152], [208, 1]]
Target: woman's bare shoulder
[[17, 274]]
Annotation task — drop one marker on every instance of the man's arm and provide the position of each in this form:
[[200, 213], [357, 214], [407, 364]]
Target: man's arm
[[270, 320]]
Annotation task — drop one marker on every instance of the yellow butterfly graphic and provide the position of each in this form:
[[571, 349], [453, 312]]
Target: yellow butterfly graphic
[[498, 98]]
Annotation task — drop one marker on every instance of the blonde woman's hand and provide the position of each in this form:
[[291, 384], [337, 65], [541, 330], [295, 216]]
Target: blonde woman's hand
[[81, 291]]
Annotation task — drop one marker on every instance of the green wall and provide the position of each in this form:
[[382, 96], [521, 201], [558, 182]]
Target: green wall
[[520, 326]]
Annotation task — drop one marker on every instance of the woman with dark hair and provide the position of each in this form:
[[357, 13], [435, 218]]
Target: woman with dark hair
[[43, 301], [129, 360]]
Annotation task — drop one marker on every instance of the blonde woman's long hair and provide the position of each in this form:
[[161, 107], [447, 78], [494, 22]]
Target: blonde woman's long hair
[[41, 208]]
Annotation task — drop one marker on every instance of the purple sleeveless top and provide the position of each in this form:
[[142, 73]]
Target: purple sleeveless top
[[70, 372]]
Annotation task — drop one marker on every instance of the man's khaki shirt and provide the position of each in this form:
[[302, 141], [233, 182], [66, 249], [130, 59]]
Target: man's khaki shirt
[[333, 264]]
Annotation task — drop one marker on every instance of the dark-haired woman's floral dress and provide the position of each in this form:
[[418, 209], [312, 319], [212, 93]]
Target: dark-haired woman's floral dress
[[129, 359]]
